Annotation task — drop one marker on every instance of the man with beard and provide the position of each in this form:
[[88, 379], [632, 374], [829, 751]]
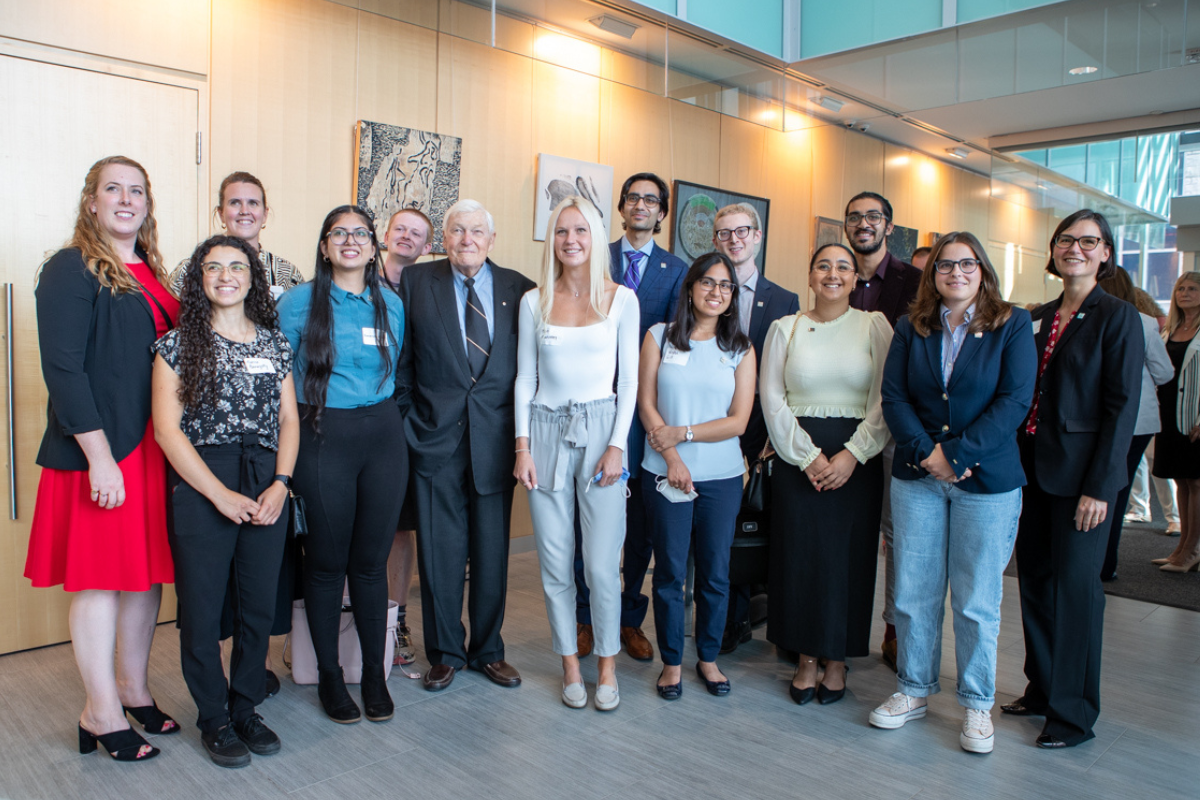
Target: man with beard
[[888, 285]]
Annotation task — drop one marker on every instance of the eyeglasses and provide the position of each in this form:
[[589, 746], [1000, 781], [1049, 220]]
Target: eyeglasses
[[724, 234], [340, 235], [873, 217], [842, 269], [967, 265], [1088, 243], [237, 268], [708, 284], [651, 200]]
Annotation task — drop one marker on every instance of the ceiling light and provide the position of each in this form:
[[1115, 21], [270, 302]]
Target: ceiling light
[[1082, 70], [615, 25], [958, 152], [830, 103]]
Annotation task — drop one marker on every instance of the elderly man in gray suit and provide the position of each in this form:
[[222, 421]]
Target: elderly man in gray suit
[[457, 372]]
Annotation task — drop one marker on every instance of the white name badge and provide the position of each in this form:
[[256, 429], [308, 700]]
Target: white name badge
[[551, 340], [673, 356], [369, 337], [259, 366], [1037, 325]]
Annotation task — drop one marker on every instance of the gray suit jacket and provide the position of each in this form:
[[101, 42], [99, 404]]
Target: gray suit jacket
[[435, 393]]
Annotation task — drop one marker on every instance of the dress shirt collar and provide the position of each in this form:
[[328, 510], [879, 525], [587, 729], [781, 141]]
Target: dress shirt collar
[[945, 315], [339, 295]]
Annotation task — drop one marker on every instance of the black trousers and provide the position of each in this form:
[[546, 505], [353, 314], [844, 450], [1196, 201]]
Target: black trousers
[[1137, 448], [454, 523], [1062, 606], [212, 554], [352, 476]]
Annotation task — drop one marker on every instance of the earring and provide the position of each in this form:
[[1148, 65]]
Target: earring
[[264, 227], [689, 302]]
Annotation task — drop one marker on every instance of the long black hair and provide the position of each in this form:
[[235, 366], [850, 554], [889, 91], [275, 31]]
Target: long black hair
[[729, 330], [1109, 265], [197, 362], [318, 330]]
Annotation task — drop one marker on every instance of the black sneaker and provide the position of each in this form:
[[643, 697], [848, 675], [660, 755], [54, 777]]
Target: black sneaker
[[273, 685], [261, 740], [225, 748]]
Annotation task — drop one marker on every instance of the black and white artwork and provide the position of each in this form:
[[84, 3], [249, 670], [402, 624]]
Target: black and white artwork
[[559, 178], [406, 168]]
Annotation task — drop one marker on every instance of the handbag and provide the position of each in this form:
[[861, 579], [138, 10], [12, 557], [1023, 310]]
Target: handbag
[[298, 514], [303, 658], [756, 496]]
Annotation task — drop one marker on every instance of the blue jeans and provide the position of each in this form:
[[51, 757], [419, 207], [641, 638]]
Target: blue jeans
[[945, 535], [707, 524]]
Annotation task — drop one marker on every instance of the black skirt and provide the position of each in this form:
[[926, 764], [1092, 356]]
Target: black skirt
[[1175, 456], [824, 552]]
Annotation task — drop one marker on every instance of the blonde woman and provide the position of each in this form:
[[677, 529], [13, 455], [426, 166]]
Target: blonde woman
[[578, 335]]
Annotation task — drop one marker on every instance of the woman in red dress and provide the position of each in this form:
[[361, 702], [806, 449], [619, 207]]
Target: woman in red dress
[[100, 522]]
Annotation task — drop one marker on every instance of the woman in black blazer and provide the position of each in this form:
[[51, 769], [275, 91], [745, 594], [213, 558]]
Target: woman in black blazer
[[1073, 446], [959, 377]]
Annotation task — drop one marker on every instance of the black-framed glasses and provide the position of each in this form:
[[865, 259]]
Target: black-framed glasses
[[1087, 243], [967, 265], [237, 268], [708, 284], [741, 232], [652, 201], [873, 217], [340, 235]]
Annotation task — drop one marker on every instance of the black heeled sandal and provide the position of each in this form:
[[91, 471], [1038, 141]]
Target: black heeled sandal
[[152, 719], [123, 745]]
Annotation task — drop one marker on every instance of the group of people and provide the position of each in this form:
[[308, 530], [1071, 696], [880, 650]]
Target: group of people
[[190, 416]]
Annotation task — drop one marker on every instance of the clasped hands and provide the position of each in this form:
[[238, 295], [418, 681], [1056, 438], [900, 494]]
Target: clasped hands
[[939, 467]]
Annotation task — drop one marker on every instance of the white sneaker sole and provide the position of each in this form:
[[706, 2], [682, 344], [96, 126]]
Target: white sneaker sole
[[891, 722], [972, 745]]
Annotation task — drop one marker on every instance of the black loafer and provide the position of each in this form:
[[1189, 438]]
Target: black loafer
[[1017, 708], [802, 696], [1049, 742], [273, 684], [715, 688]]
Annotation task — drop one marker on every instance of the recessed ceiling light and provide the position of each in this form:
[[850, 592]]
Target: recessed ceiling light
[[958, 152], [1082, 70], [615, 25]]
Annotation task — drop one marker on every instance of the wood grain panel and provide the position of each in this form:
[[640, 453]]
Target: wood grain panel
[[787, 173]]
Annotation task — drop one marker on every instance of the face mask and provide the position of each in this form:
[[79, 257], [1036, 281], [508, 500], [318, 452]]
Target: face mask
[[675, 495]]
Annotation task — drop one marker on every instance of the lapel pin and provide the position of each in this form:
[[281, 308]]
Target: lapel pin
[[760, 302], [503, 302], [662, 265], [1079, 315], [979, 335]]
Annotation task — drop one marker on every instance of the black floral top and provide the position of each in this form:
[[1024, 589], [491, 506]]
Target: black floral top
[[251, 379]]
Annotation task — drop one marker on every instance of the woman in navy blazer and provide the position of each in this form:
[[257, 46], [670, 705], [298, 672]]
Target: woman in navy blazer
[[959, 378], [1073, 446]]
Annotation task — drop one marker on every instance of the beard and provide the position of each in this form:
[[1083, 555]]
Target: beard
[[868, 248]]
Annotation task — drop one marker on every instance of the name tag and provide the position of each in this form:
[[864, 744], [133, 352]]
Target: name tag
[[673, 356], [259, 366], [1037, 325], [551, 339], [370, 339]]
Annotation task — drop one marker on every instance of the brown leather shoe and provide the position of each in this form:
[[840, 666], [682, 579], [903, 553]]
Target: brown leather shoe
[[889, 653], [636, 644], [501, 673], [439, 677], [584, 640]]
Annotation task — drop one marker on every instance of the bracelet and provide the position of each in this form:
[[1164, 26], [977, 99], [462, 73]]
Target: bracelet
[[522, 450]]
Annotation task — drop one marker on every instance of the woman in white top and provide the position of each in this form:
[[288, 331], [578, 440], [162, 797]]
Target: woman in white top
[[820, 391], [578, 333]]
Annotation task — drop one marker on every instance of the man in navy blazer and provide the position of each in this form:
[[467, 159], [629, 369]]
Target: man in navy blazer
[[737, 233], [656, 276]]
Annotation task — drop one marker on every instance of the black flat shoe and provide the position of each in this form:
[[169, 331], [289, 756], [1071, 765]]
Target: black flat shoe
[[273, 685], [338, 705], [825, 695], [377, 702], [672, 691], [734, 635], [1049, 742], [802, 696], [152, 719], [1017, 708], [715, 688], [121, 745]]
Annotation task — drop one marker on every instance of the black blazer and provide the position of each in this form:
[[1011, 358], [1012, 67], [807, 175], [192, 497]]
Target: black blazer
[[900, 283], [96, 361], [1088, 397], [771, 302], [435, 391]]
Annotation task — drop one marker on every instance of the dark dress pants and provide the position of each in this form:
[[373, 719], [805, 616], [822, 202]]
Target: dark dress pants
[[1137, 447], [454, 523], [213, 553]]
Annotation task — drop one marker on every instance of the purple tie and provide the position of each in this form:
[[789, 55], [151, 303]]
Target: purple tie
[[633, 276]]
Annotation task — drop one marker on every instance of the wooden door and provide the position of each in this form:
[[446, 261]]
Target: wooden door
[[56, 122]]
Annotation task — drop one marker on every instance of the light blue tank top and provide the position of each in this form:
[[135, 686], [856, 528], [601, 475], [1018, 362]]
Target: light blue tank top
[[695, 387]]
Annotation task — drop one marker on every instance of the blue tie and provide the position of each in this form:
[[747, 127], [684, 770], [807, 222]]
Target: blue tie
[[633, 275]]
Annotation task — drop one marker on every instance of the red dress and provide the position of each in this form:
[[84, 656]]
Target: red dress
[[76, 543]]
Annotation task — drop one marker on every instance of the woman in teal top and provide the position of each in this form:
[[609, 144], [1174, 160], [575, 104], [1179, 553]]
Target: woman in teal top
[[346, 329], [695, 392]]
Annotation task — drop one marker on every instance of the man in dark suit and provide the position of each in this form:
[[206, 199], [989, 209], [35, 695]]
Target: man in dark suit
[[457, 371], [888, 285], [737, 233], [655, 275]]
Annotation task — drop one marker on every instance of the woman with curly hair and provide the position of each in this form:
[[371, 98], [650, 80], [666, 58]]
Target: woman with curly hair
[[225, 415], [100, 523]]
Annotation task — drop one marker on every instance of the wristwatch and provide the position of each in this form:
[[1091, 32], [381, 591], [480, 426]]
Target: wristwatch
[[286, 480], [690, 434]]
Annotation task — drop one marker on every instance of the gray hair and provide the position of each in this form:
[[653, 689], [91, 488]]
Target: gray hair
[[467, 206]]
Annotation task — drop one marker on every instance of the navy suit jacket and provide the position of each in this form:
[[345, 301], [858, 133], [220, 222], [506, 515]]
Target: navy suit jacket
[[975, 417], [658, 295], [771, 302]]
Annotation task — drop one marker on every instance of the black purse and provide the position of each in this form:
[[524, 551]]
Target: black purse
[[756, 496], [298, 514]]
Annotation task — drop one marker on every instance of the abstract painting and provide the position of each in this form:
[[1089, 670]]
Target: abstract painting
[[559, 178], [696, 208], [902, 242], [405, 168]]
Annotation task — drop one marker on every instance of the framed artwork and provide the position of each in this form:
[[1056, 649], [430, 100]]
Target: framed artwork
[[696, 209], [559, 178], [828, 231], [902, 242], [399, 168], [933, 237]]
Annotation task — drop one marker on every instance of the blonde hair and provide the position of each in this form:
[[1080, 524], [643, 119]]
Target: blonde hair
[[739, 208], [96, 246], [598, 267], [1175, 316]]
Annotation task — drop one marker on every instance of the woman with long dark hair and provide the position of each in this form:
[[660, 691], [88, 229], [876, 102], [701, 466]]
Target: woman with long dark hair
[[695, 392], [819, 388], [958, 380], [1073, 447], [225, 415], [346, 329], [100, 523]]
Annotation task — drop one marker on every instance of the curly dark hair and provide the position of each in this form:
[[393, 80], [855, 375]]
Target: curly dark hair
[[197, 364], [730, 338]]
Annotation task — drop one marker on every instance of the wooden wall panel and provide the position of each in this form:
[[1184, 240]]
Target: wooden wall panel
[[787, 159], [393, 85]]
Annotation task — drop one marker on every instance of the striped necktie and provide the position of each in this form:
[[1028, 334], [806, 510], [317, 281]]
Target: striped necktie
[[633, 275], [479, 342]]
